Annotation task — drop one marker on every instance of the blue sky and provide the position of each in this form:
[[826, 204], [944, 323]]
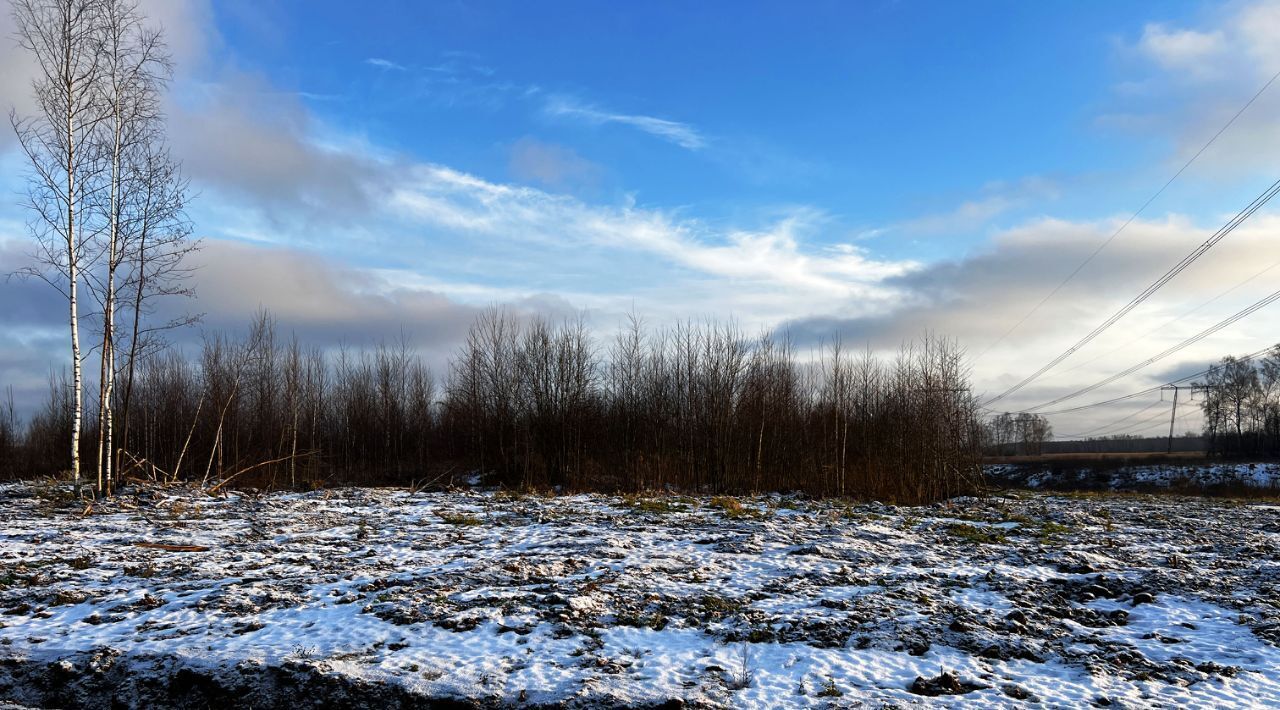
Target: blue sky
[[873, 112], [869, 170]]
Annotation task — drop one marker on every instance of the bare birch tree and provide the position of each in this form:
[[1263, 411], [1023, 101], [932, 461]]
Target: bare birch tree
[[108, 199], [135, 69], [58, 143], [157, 241]]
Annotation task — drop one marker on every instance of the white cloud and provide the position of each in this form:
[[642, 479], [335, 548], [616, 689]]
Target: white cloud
[[1184, 50], [384, 63], [1202, 76], [1236, 43], [1256, 26], [682, 134], [976, 298], [740, 264], [188, 33]]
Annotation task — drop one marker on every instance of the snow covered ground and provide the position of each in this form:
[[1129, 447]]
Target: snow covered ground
[[359, 597], [1205, 475]]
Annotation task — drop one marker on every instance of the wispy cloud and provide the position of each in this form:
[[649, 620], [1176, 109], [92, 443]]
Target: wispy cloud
[[384, 64], [1182, 49], [997, 199], [682, 134], [367, 206], [759, 274], [1199, 75], [549, 164]]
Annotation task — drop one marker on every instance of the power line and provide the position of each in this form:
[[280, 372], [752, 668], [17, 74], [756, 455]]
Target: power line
[[1150, 424], [1160, 418], [1171, 321], [1257, 306], [1094, 431], [1132, 217], [1140, 425], [1149, 390], [1156, 285]]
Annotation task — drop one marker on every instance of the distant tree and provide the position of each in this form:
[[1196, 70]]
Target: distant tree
[[1241, 405], [1022, 433], [10, 436]]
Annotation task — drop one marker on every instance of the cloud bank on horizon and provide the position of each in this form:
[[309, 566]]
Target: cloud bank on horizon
[[789, 177]]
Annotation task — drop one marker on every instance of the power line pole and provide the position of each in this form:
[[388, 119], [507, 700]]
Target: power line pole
[[1173, 416]]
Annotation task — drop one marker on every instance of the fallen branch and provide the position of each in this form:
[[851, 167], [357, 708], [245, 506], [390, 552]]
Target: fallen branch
[[414, 488], [171, 548], [141, 463], [228, 479]]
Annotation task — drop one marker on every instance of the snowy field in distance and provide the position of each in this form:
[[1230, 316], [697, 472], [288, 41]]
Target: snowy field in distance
[[1196, 475]]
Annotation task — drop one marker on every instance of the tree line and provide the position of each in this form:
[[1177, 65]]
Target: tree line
[[1020, 434], [1241, 405], [535, 404]]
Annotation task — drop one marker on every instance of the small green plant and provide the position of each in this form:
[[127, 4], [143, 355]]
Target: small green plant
[[735, 510], [661, 506], [972, 534], [654, 505], [829, 690], [1051, 529], [463, 519]]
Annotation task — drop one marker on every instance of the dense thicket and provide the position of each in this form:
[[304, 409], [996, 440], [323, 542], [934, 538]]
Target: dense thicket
[[1241, 405], [535, 404]]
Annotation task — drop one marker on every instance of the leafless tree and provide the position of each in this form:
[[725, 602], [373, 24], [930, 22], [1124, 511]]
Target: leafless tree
[[533, 403], [63, 36], [157, 242], [10, 436], [1241, 405], [135, 67], [106, 198]]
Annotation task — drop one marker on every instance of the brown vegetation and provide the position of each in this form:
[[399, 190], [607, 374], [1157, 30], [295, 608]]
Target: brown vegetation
[[538, 405]]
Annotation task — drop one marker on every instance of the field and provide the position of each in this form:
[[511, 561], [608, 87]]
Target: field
[[359, 597], [1249, 479], [1102, 458]]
